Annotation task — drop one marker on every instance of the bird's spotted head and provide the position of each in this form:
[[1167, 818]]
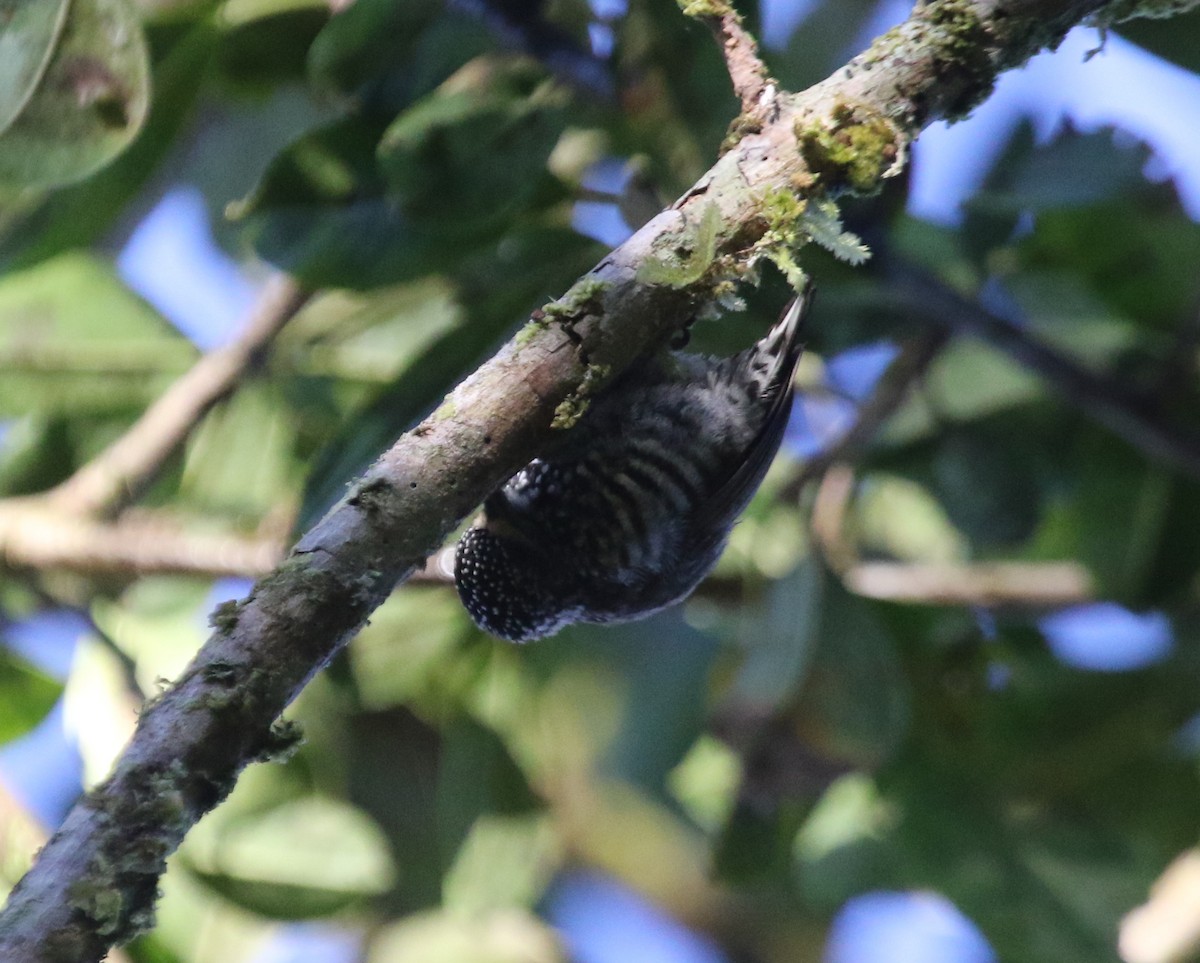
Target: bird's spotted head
[[507, 588]]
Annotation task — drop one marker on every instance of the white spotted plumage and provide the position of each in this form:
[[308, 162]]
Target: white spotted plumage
[[632, 507]]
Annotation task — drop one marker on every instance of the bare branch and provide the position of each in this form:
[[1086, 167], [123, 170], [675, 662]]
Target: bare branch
[[35, 534], [115, 477], [748, 74], [985, 584], [94, 883]]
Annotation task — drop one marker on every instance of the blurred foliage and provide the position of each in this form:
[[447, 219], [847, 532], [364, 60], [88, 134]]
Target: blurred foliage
[[749, 760]]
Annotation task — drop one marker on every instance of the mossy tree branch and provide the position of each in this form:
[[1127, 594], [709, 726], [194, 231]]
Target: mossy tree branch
[[94, 883]]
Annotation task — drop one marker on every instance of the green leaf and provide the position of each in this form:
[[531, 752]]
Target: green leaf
[[839, 850], [305, 858], [1137, 253], [1110, 515], [655, 667], [467, 162], [969, 380], [504, 861], [386, 53], [1061, 310], [322, 214], [239, 12], [391, 760], [270, 50], [1045, 887], [987, 488], [430, 669], [901, 518], [855, 705], [90, 102], [1176, 39], [781, 639], [74, 338], [36, 454], [1073, 170], [26, 695], [477, 776], [503, 936], [29, 32], [159, 623], [75, 215], [239, 462]]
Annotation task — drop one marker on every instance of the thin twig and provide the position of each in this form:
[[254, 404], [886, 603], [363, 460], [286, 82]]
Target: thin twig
[[981, 584], [749, 75], [1105, 400], [115, 477], [36, 534]]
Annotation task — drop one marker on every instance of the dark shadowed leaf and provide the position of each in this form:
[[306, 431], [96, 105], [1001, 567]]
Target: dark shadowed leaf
[[855, 702], [322, 214], [1137, 253], [468, 160], [384, 54], [1176, 38], [987, 487], [272, 49], [476, 776]]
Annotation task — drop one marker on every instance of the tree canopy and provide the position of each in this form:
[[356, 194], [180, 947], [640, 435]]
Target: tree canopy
[[953, 645]]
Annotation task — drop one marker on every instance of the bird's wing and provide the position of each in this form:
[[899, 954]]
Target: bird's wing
[[728, 501]]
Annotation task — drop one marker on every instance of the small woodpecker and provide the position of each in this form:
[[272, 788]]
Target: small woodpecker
[[633, 506]]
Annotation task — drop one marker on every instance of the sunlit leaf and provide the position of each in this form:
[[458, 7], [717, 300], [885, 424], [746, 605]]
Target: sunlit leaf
[[73, 337], [504, 861], [239, 461], [305, 858], [26, 695], [89, 104], [29, 32], [74, 215]]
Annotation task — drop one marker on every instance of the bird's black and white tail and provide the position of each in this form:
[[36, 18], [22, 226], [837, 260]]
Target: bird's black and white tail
[[778, 352], [771, 364]]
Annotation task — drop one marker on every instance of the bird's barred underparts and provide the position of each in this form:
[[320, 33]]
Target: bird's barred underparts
[[632, 507]]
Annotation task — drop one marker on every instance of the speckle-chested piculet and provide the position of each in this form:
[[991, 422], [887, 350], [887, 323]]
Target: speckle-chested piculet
[[633, 506]]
